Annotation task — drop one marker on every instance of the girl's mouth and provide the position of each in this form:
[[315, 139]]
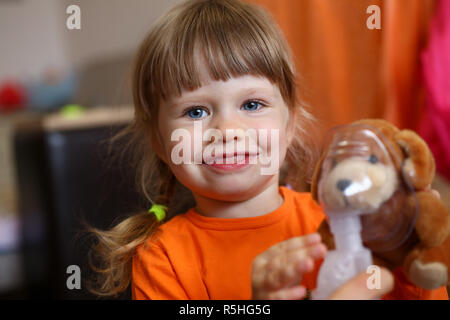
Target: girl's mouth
[[231, 162]]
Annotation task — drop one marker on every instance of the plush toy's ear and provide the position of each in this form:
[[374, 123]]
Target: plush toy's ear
[[316, 177], [418, 166]]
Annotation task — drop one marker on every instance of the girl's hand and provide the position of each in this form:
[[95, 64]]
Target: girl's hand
[[357, 289], [278, 271]]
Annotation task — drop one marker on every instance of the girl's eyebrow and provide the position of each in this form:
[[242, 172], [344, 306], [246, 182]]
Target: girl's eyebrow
[[179, 101], [257, 90], [260, 90]]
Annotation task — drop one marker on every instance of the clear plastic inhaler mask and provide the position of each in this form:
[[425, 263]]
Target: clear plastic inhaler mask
[[368, 203], [361, 175]]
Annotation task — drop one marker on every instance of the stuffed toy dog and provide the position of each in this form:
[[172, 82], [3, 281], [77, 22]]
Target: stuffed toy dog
[[376, 168]]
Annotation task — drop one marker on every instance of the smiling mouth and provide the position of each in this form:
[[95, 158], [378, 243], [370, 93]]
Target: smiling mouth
[[234, 162], [230, 159]]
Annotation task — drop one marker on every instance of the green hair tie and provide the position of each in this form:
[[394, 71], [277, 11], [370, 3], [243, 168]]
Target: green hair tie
[[159, 210]]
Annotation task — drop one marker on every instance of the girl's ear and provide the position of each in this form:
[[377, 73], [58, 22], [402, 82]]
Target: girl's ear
[[292, 122]]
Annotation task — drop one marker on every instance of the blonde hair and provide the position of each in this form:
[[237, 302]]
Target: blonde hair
[[236, 38]]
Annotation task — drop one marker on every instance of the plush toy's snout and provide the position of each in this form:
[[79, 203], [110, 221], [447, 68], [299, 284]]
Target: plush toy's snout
[[358, 184], [342, 184]]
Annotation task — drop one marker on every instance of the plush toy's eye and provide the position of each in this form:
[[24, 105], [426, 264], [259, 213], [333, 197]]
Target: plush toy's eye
[[373, 159]]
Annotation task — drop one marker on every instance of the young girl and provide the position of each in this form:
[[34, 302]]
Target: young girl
[[223, 65]]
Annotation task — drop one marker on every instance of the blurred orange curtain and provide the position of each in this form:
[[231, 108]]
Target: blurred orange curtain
[[347, 71]]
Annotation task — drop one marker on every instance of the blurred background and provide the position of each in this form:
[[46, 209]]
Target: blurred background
[[64, 92]]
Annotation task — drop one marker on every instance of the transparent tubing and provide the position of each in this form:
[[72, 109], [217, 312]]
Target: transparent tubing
[[348, 259]]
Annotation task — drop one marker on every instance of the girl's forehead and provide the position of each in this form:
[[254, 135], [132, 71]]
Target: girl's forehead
[[200, 66], [245, 84], [204, 71], [208, 74]]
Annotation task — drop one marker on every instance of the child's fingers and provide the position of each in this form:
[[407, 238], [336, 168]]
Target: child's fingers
[[294, 293], [281, 265], [357, 288], [288, 269]]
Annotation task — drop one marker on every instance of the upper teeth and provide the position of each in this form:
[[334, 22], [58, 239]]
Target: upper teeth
[[228, 160]]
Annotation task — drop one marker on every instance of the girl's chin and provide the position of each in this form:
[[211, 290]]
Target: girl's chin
[[234, 190], [229, 193], [228, 197], [236, 186]]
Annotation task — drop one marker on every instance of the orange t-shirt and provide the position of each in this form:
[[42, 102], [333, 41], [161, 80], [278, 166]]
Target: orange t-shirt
[[202, 258]]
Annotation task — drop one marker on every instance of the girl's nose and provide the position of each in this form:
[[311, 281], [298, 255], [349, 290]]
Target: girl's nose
[[230, 126]]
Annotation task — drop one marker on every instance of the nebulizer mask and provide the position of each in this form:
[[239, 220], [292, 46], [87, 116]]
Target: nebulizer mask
[[361, 191]]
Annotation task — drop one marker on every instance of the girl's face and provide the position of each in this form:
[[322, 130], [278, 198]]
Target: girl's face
[[246, 102]]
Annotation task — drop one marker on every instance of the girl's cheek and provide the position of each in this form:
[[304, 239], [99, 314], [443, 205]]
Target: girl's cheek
[[181, 147], [271, 137]]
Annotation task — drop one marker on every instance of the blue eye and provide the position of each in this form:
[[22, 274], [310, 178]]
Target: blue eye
[[196, 113], [252, 106]]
